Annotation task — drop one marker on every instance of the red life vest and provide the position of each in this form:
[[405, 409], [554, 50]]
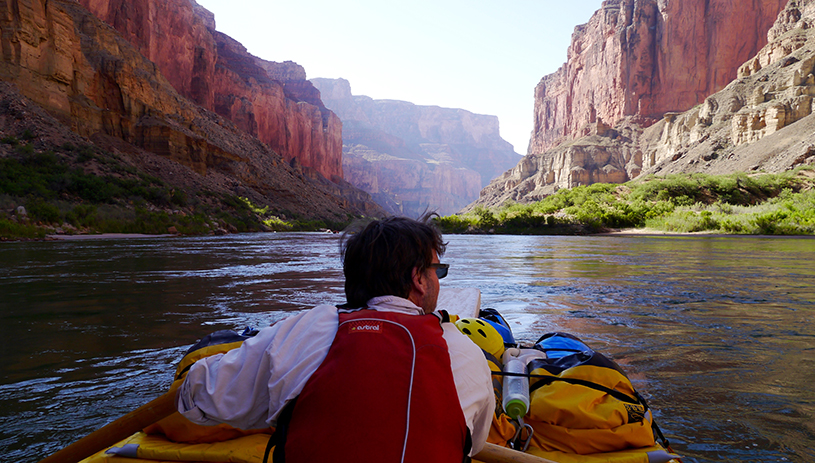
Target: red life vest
[[384, 393]]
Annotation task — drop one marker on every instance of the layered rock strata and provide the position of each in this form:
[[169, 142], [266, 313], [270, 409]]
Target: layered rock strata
[[270, 101], [604, 155], [412, 158], [89, 78], [761, 121]]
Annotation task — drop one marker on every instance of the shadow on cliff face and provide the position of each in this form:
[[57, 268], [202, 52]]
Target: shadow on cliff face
[[103, 95]]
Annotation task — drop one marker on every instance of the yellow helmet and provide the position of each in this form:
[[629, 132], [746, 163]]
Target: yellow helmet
[[483, 334]]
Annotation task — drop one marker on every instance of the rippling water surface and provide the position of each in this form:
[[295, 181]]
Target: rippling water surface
[[716, 332]]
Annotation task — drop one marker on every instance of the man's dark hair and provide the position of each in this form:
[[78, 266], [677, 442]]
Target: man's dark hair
[[379, 259]]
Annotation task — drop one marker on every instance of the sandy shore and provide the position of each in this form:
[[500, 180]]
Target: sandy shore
[[649, 231], [103, 236], [653, 232]]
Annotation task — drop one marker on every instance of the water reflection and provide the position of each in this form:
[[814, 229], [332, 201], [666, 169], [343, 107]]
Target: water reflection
[[716, 332]]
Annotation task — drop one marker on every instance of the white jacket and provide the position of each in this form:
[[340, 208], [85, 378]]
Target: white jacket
[[249, 386]]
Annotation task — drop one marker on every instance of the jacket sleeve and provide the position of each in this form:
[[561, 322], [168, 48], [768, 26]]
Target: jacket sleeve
[[247, 387], [473, 383]]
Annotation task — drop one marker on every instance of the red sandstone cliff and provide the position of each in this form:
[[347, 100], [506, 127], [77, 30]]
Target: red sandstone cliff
[[645, 58], [90, 79], [271, 101]]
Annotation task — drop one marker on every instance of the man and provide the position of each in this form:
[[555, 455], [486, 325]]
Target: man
[[381, 379]]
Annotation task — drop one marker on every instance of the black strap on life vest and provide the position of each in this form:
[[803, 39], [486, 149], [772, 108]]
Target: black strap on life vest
[[278, 439], [468, 445], [269, 448], [443, 316]]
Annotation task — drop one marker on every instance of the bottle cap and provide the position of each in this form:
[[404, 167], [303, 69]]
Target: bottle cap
[[515, 408]]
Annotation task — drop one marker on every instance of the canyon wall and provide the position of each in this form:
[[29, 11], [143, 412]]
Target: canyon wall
[[763, 120], [644, 58], [62, 58], [760, 121], [410, 157], [271, 101]]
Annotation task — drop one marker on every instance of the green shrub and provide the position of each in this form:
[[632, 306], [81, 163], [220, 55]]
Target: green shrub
[[179, 197], [527, 219], [732, 225], [39, 210], [485, 218], [25, 150], [277, 224], [83, 215], [13, 230], [92, 188], [453, 224]]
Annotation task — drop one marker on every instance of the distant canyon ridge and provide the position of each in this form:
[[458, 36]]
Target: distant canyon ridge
[[413, 158], [672, 86]]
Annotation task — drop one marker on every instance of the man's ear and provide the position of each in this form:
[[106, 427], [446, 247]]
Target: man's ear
[[418, 286]]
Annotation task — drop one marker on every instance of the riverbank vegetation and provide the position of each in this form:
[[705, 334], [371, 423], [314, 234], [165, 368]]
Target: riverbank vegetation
[[83, 190], [760, 203]]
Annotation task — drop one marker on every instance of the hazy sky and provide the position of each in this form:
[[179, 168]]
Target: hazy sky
[[480, 55]]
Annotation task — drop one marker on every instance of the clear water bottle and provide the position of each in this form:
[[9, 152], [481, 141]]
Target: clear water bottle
[[516, 388]]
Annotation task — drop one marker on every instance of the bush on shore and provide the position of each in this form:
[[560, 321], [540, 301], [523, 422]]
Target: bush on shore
[[734, 204]]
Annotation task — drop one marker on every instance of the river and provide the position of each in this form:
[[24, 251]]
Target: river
[[716, 332]]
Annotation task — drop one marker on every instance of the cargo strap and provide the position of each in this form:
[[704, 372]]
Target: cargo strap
[[546, 380]]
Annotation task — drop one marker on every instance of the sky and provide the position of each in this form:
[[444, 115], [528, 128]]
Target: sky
[[484, 56]]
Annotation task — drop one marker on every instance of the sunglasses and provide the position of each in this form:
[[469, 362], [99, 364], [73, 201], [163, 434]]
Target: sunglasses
[[441, 270]]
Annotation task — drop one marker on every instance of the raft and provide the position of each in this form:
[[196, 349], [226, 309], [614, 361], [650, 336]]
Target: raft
[[175, 439]]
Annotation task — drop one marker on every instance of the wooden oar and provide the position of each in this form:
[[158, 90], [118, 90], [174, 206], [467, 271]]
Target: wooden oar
[[122, 428], [164, 406]]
